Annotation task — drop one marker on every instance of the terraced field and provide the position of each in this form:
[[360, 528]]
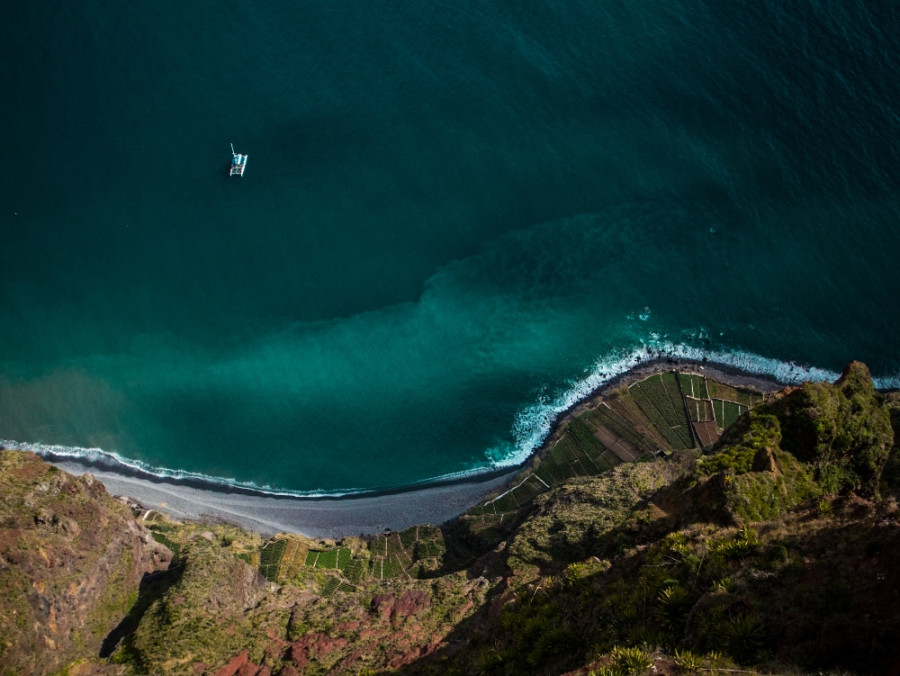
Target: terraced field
[[664, 412]]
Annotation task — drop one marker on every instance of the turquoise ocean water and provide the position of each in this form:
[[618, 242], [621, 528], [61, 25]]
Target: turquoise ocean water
[[456, 218]]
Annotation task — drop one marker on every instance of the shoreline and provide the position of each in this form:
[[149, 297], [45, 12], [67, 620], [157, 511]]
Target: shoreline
[[724, 373], [319, 518], [371, 512]]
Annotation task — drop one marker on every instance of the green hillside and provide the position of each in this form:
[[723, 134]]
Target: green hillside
[[677, 525]]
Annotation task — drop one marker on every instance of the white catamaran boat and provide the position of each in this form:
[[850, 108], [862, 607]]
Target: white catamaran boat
[[238, 163]]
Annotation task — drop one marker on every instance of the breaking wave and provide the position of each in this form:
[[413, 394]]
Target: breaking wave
[[533, 425], [530, 429], [109, 461]]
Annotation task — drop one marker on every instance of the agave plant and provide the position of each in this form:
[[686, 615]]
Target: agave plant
[[687, 662], [674, 604], [631, 660], [744, 635]]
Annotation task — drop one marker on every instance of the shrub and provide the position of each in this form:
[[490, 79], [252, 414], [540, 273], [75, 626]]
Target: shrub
[[843, 430], [687, 662], [673, 604], [744, 636], [632, 660], [737, 449]]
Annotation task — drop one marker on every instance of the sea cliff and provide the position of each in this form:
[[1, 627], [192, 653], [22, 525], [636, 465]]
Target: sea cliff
[[647, 536]]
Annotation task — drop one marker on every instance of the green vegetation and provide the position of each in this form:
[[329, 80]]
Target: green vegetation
[[737, 451], [842, 430], [161, 538], [327, 559], [355, 570], [270, 559], [654, 400], [771, 550], [722, 392], [694, 386]]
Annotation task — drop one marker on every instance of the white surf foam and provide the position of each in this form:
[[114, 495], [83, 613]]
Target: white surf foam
[[530, 428], [533, 425], [113, 462]]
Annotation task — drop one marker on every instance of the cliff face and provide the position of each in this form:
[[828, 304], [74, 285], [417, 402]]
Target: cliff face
[[772, 550], [71, 561]]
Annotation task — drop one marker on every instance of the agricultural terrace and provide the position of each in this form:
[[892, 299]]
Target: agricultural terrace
[[654, 416], [331, 567], [657, 415]]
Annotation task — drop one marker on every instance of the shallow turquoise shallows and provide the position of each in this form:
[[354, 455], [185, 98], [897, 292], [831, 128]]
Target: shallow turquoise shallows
[[456, 217]]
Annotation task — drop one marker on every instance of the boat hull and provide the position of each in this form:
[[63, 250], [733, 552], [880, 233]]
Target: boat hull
[[238, 164]]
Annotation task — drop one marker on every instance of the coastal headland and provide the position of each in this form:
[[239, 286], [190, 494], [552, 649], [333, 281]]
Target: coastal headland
[[373, 513], [671, 509]]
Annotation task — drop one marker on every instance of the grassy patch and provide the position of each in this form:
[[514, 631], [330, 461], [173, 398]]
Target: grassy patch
[[377, 570], [162, 539], [694, 385], [355, 570], [330, 586], [650, 409], [409, 536], [270, 559], [327, 559], [506, 503], [392, 567]]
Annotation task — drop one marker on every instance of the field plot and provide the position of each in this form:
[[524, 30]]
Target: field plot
[[270, 559], [654, 400], [335, 584], [331, 585], [620, 448], [649, 439], [693, 385], [584, 438], [529, 489], [506, 503], [727, 412], [662, 390], [708, 432], [405, 553], [293, 558], [328, 559], [555, 467], [701, 410], [386, 568], [591, 444], [389, 555], [355, 570], [724, 392], [517, 496]]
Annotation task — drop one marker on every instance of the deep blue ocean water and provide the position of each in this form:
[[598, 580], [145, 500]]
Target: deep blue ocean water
[[456, 218]]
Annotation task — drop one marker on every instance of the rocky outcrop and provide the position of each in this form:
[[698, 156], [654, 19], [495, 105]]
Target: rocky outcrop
[[843, 430], [395, 609], [71, 562], [203, 612]]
